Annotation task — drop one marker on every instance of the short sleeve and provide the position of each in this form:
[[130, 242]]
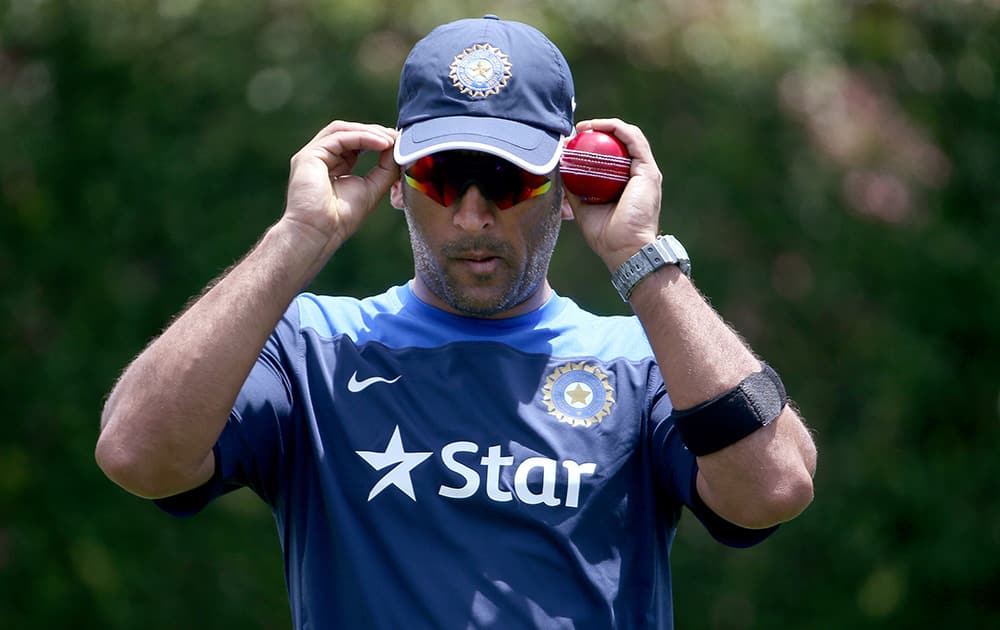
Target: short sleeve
[[250, 450], [678, 469]]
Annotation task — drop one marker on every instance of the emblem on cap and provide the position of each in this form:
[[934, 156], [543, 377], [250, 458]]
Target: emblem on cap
[[480, 71], [578, 394]]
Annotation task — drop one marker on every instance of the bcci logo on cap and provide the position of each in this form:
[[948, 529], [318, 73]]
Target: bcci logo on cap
[[480, 71], [578, 394]]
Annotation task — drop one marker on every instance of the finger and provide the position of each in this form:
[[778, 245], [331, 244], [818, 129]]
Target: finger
[[340, 150], [345, 126], [630, 135], [382, 176], [354, 140]]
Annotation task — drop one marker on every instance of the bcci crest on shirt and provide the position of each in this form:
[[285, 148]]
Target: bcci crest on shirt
[[578, 394]]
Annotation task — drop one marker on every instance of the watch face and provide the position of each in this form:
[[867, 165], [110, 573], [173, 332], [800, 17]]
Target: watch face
[[678, 255]]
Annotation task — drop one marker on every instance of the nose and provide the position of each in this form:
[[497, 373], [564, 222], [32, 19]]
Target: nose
[[473, 212]]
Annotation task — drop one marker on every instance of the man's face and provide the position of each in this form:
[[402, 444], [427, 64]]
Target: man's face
[[473, 257]]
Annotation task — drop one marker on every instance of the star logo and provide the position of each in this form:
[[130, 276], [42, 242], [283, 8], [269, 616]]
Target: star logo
[[482, 70], [404, 465], [579, 396]]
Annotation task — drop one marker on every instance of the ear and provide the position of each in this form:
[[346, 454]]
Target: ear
[[396, 195], [567, 210]]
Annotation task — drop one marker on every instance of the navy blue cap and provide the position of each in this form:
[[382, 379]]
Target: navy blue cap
[[488, 85]]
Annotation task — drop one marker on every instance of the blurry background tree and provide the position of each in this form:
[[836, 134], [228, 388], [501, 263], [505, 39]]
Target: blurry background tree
[[831, 165]]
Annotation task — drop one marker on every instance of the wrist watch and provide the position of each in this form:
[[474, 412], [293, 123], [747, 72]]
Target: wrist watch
[[665, 250]]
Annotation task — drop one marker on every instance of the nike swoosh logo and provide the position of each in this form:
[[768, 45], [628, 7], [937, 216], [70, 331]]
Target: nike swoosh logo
[[355, 386]]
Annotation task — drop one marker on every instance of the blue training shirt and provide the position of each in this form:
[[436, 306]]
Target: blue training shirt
[[428, 470]]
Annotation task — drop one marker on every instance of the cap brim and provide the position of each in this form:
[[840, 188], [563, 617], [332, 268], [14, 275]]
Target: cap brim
[[534, 150]]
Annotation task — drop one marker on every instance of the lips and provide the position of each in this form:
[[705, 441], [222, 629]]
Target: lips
[[476, 256], [479, 255], [480, 264]]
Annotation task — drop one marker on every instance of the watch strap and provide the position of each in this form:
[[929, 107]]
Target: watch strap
[[665, 250]]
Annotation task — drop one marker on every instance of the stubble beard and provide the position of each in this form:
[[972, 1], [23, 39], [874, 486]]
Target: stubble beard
[[520, 284]]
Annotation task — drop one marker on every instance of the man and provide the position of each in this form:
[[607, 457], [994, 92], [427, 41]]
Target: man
[[469, 449]]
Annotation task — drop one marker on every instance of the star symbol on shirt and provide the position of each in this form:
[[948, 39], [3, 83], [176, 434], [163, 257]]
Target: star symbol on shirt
[[579, 395], [398, 476]]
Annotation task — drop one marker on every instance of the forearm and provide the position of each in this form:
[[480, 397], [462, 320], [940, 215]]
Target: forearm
[[170, 405], [762, 479], [698, 354]]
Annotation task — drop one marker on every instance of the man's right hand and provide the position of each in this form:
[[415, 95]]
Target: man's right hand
[[324, 194]]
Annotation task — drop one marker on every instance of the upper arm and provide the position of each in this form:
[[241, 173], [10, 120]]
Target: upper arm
[[251, 448]]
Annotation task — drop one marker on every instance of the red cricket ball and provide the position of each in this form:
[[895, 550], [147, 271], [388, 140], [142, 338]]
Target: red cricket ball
[[595, 166]]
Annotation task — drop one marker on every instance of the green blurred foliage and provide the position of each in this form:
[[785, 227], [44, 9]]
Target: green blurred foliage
[[831, 166]]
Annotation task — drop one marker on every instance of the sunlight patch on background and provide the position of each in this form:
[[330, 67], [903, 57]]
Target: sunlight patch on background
[[886, 159], [31, 83], [382, 54], [882, 592], [923, 71], [726, 35], [975, 75], [270, 89], [286, 37], [94, 566], [172, 9]]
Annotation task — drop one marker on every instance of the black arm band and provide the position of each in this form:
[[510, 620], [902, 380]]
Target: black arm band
[[733, 415]]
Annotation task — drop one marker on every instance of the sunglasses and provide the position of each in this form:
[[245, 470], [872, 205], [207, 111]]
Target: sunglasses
[[445, 176]]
